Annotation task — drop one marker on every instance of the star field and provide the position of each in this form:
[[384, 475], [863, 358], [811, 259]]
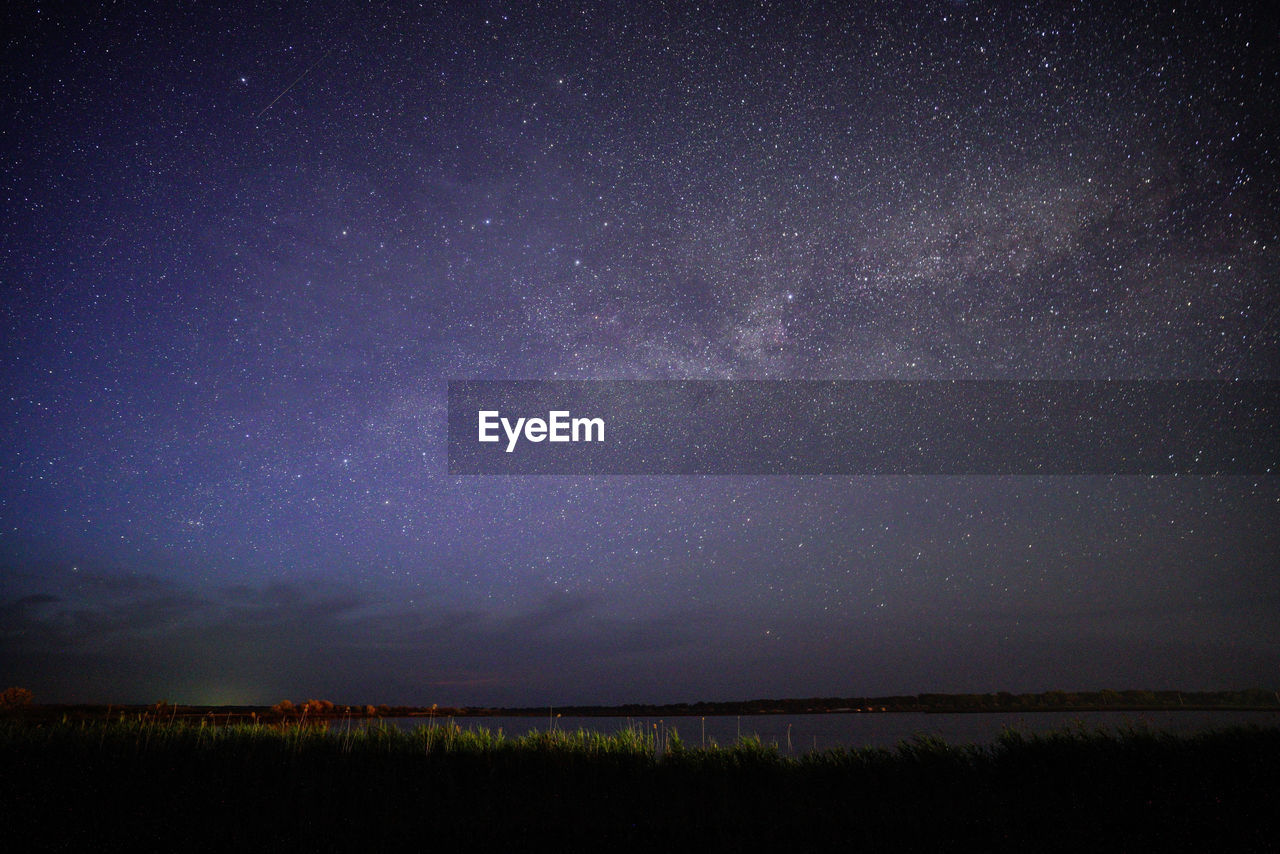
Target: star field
[[245, 248]]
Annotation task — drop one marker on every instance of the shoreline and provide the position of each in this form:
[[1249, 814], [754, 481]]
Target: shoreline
[[268, 714]]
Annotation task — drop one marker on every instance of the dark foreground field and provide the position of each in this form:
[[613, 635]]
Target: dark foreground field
[[146, 785]]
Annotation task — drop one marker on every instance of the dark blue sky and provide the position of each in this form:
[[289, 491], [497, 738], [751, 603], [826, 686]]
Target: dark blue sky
[[245, 246]]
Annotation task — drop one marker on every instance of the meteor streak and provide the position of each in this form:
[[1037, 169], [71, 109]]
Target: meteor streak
[[295, 82]]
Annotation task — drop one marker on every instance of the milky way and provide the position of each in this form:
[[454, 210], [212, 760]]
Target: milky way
[[244, 250]]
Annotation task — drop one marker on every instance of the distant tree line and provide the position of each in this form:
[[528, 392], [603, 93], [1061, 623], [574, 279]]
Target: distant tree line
[[1001, 701], [19, 701]]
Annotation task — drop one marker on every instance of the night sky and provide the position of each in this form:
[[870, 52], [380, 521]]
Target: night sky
[[245, 247]]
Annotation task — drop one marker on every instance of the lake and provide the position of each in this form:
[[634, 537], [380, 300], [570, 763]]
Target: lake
[[800, 733]]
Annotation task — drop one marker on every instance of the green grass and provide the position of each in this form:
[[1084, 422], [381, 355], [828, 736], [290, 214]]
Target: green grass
[[142, 784]]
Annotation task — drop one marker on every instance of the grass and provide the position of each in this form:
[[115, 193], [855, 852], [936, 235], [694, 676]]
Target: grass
[[142, 783]]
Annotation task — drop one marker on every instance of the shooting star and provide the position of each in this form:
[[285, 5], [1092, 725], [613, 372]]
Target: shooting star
[[295, 82]]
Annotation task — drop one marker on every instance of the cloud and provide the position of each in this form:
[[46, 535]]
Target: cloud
[[136, 638]]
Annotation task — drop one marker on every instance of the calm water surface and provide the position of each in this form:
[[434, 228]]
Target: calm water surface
[[807, 732]]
